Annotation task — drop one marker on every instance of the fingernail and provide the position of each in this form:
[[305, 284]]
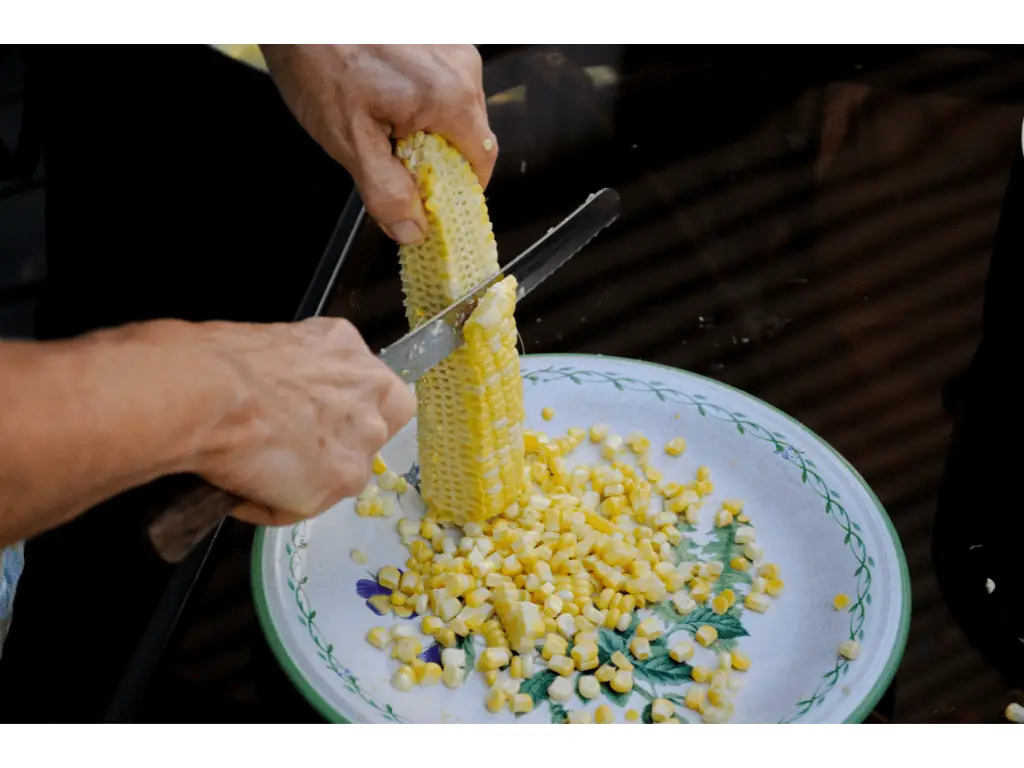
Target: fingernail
[[406, 232]]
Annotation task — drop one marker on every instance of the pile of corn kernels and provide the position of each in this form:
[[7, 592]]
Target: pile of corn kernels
[[588, 548]]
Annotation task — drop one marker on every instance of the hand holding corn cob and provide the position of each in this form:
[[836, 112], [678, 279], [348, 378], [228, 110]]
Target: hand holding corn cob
[[353, 99]]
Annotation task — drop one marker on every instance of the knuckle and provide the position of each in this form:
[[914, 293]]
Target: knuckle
[[350, 478]]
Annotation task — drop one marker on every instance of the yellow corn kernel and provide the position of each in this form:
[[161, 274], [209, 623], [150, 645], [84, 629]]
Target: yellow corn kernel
[[554, 645], [379, 467], [491, 677], [381, 604], [640, 647], [621, 662], [675, 446], [701, 674], [733, 505], [730, 597], [404, 679], [774, 587], [840, 601], [723, 518], [604, 715], [561, 665], [515, 668], [706, 635], [703, 474], [579, 717], [430, 674], [740, 660], [407, 649], [398, 598], [695, 696], [632, 715], [547, 414], [446, 638], [452, 676], [522, 703], [662, 710], [388, 577], [605, 673], [849, 649], [378, 637], [756, 601], [739, 563], [768, 570], [598, 432], [496, 700], [720, 604], [585, 656], [622, 682], [650, 628], [700, 591], [494, 658], [470, 406], [357, 557], [680, 652], [718, 696]]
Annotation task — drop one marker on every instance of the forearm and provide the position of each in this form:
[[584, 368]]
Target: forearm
[[86, 419]]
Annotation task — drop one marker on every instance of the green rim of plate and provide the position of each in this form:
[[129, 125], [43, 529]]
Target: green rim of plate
[[859, 714]]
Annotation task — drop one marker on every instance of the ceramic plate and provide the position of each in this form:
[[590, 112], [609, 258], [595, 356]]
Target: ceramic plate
[[815, 516]]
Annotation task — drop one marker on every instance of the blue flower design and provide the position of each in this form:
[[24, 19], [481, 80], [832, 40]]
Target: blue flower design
[[432, 654], [367, 588]]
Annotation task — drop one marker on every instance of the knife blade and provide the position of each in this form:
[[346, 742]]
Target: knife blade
[[427, 345], [177, 529]]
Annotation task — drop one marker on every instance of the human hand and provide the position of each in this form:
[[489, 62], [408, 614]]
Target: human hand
[[311, 407], [353, 99]]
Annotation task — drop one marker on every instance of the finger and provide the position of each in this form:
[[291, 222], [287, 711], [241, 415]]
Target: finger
[[398, 405], [470, 133], [385, 185], [257, 514]]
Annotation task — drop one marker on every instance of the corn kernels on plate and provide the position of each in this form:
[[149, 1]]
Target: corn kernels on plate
[[686, 553]]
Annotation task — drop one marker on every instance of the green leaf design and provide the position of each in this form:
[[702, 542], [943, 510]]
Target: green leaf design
[[619, 699], [728, 625], [662, 669], [676, 699], [537, 686], [645, 716], [608, 642], [466, 644], [558, 713], [686, 551], [722, 547], [667, 613]]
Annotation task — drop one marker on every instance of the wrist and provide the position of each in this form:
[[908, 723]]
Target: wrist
[[180, 391]]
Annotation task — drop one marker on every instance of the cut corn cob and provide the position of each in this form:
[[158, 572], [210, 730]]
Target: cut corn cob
[[469, 407]]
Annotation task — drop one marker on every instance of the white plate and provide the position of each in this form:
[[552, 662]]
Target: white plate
[[815, 516]]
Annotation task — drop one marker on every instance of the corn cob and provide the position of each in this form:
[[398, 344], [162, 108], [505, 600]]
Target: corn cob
[[470, 407]]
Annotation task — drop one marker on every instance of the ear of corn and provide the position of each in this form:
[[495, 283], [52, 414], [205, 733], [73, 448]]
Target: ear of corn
[[470, 407]]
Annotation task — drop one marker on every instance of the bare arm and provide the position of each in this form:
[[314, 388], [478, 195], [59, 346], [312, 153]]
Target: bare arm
[[84, 420], [287, 415]]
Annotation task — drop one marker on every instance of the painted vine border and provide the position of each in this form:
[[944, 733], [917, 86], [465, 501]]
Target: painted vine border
[[808, 475], [295, 549], [297, 545]]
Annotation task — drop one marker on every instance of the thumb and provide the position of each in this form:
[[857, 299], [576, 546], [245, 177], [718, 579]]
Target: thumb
[[385, 184]]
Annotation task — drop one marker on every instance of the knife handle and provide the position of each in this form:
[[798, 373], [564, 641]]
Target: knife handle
[[191, 515]]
